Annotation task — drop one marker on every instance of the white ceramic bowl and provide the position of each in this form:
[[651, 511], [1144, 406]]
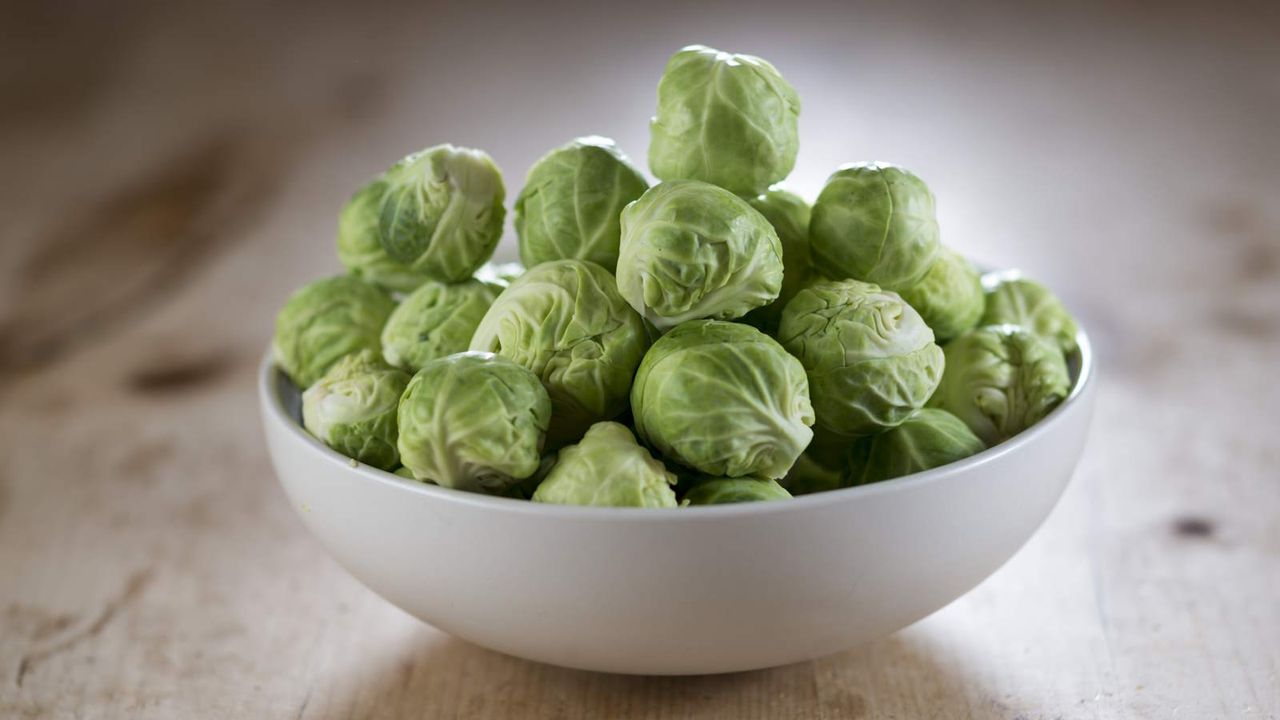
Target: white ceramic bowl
[[680, 591]]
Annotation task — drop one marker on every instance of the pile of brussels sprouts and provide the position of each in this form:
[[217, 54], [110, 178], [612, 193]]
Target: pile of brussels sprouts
[[708, 339]]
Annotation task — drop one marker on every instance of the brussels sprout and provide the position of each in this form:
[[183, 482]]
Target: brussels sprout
[[1000, 380], [949, 297], [434, 321], [565, 321], [326, 320], [1015, 300], [870, 358], [720, 491], [724, 399], [692, 250], [821, 467], [473, 421], [607, 467], [359, 249], [874, 222], [928, 439], [571, 200], [352, 408], [500, 274], [789, 216], [809, 475], [442, 211], [725, 119]]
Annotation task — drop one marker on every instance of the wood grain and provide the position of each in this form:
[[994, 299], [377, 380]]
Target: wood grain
[[128, 251], [172, 172]]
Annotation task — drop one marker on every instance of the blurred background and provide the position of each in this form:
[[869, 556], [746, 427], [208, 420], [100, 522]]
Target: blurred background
[[172, 171], [1113, 145]]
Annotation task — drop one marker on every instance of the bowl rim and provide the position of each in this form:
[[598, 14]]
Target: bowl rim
[[269, 374]]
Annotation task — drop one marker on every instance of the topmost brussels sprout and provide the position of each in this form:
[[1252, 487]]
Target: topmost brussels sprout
[[359, 249], [874, 222], [326, 320], [571, 200], [1015, 300], [692, 250], [442, 211], [726, 119]]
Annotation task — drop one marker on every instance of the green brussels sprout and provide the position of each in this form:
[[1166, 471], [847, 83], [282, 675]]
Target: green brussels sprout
[[692, 250], [500, 274], [352, 408], [870, 358], [473, 421], [1000, 380], [359, 249], [1015, 300], [326, 320], [442, 211], [609, 468], [565, 321], [809, 475], [789, 216], [720, 491], [571, 200], [874, 222], [730, 120], [724, 399], [949, 297], [435, 320], [928, 439], [821, 467]]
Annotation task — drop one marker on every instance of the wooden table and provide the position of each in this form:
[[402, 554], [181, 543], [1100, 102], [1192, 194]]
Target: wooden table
[[171, 174]]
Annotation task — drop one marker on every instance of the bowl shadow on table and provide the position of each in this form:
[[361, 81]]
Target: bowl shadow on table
[[904, 675]]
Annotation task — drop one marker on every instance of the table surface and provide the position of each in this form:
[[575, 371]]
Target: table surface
[[172, 173]]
